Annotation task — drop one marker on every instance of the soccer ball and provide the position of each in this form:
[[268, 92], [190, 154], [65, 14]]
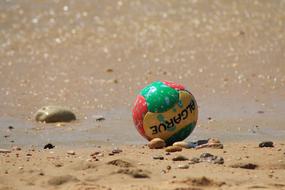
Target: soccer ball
[[165, 110]]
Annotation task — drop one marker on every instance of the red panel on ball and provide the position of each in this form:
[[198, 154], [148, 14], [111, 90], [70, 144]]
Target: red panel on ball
[[174, 85], [139, 111]]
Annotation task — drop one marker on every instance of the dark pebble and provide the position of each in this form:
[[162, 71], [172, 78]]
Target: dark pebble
[[49, 146], [11, 127], [249, 166], [180, 158], [116, 151], [100, 118], [266, 144], [159, 157]]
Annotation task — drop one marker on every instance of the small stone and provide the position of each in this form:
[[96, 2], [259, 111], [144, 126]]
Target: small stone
[[180, 158], [5, 151], [49, 146], [99, 118], [249, 166], [10, 127], [95, 153], [51, 114], [158, 157], [156, 143], [181, 144], [183, 166], [70, 152], [116, 151], [266, 144], [173, 149]]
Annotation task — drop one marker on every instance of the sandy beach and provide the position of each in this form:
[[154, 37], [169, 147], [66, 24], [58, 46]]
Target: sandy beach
[[136, 168], [95, 56]]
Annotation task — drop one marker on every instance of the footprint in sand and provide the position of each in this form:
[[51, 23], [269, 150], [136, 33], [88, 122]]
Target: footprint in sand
[[59, 180]]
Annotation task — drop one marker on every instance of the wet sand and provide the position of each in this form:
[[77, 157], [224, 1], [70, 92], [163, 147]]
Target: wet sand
[[95, 56]]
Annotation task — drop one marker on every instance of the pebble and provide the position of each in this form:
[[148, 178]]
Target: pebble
[[181, 144], [49, 146], [10, 127], [96, 153], [156, 143], [249, 166], [50, 114], [4, 150], [116, 151], [180, 158], [158, 157], [266, 144], [99, 118], [70, 152], [183, 166], [173, 149]]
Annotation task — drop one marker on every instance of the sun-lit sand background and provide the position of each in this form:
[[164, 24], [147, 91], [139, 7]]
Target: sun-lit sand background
[[95, 56]]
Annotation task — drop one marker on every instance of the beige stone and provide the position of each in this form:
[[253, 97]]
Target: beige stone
[[156, 143], [173, 149], [50, 114], [181, 144]]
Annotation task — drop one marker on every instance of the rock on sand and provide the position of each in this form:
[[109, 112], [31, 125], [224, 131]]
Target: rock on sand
[[50, 114], [156, 143]]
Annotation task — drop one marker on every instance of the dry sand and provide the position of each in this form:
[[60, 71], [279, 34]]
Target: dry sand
[[94, 57], [135, 168]]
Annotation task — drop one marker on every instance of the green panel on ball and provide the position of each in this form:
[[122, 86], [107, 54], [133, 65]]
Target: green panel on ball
[[182, 134], [159, 97]]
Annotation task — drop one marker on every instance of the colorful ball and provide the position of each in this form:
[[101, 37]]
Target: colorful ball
[[165, 110]]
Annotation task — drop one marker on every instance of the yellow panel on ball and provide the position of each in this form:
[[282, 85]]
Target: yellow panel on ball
[[176, 123]]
